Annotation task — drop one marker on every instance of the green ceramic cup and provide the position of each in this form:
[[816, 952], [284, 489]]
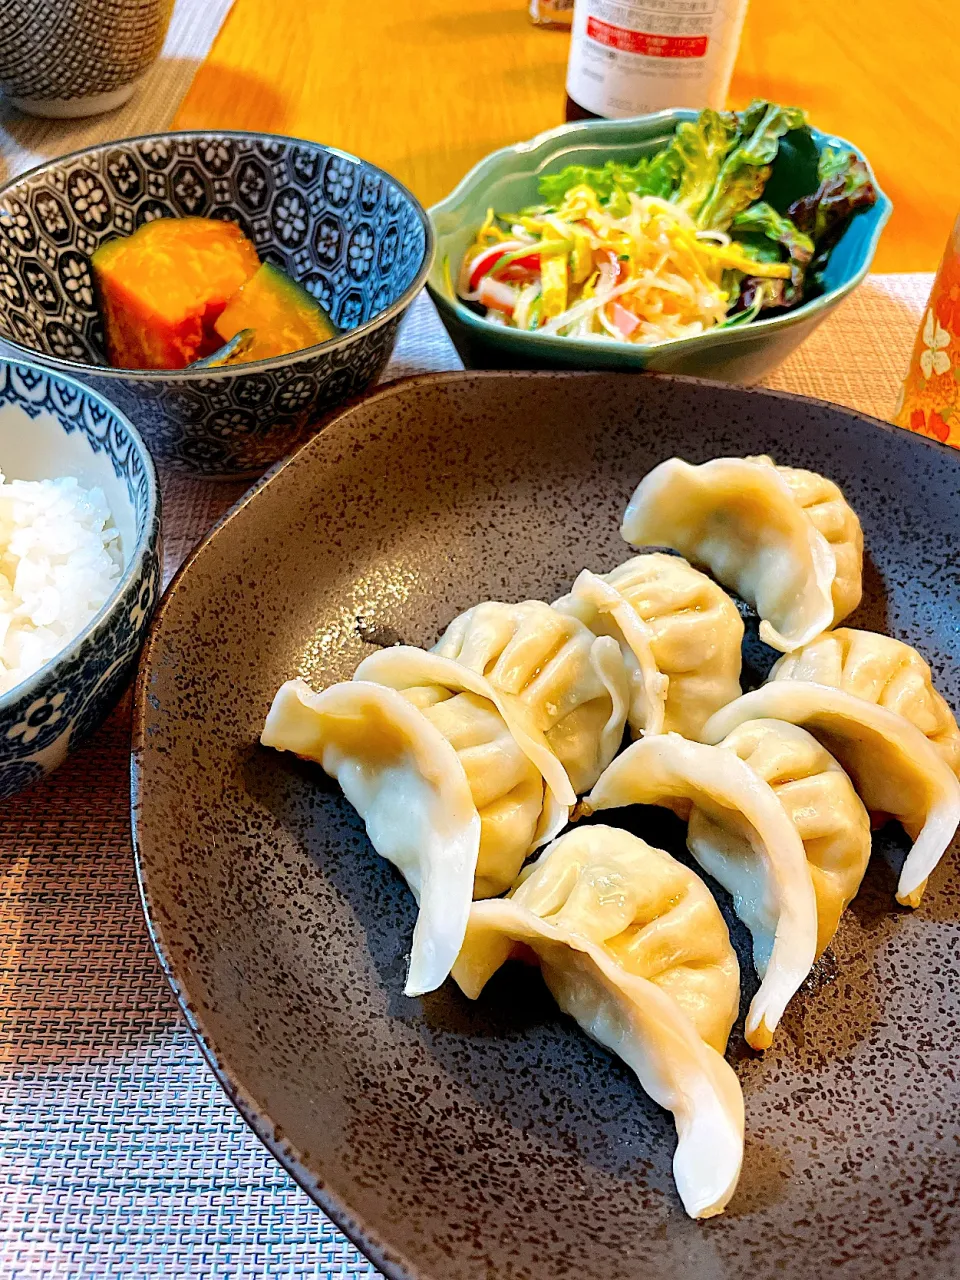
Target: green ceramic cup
[[507, 179]]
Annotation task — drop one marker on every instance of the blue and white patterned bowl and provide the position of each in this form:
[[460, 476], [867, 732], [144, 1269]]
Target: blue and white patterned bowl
[[75, 432], [351, 234]]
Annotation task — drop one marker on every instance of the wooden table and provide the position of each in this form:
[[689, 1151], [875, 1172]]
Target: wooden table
[[427, 87]]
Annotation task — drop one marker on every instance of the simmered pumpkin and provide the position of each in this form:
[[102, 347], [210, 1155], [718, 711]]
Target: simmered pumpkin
[[163, 288], [282, 315]]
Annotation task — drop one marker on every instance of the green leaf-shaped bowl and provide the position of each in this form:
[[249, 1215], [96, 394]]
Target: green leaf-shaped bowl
[[507, 179]]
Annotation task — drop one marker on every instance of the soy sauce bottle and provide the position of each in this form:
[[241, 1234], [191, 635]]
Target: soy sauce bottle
[[632, 57]]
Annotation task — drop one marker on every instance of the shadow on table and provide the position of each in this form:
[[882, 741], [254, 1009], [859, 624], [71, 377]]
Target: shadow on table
[[150, 110], [227, 99]]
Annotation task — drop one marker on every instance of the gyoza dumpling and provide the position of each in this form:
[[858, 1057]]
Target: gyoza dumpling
[[883, 670], [764, 868], [832, 515], [896, 771], [633, 946], [455, 785], [821, 803], [784, 540], [500, 747], [573, 682], [680, 635]]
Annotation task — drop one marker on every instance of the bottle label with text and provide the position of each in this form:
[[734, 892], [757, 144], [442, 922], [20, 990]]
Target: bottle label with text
[[630, 58]]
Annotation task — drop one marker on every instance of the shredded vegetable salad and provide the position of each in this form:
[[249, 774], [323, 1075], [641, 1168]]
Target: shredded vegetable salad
[[647, 276], [671, 246]]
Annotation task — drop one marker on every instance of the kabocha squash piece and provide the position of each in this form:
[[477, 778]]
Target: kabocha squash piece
[[162, 289], [282, 315]]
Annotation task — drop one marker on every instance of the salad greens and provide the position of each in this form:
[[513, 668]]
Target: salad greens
[[652, 176], [716, 169], [735, 215], [845, 187], [746, 167], [763, 232]]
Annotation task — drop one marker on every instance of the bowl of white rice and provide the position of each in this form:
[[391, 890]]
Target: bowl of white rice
[[79, 565]]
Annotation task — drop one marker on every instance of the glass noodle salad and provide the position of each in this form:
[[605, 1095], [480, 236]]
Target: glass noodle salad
[[705, 233]]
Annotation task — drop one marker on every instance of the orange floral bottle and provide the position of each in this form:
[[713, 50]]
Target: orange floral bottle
[[929, 400]]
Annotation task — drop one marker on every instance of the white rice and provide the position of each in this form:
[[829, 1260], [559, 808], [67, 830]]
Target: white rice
[[60, 560]]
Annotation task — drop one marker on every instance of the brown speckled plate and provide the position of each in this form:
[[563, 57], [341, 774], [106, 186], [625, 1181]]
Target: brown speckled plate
[[455, 1141]]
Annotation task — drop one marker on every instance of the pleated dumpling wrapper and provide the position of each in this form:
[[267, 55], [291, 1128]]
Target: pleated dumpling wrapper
[[454, 783], [785, 540], [820, 801], [883, 670], [897, 772], [680, 635], [835, 519], [634, 948], [762, 864], [574, 683]]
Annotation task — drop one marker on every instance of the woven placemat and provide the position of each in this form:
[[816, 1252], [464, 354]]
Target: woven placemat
[[119, 1155]]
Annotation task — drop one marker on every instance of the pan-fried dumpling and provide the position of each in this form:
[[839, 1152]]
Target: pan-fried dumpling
[[757, 528], [680, 635], [573, 682], [833, 517], [633, 946], [496, 737], [455, 785], [762, 866], [819, 800], [895, 769], [883, 670]]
